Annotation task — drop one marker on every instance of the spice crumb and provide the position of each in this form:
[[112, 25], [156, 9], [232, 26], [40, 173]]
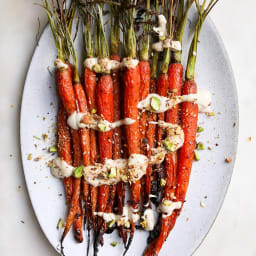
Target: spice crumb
[[30, 157], [250, 138], [22, 221], [202, 204], [228, 160]]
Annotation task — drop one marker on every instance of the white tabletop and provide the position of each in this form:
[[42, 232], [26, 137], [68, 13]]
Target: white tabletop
[[234, 230]]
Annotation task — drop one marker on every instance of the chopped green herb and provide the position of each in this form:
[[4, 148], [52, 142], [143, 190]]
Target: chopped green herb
[[78, 172], [102, 127], [35, 137], [162, 182], [59, 225], [155, 103], [196, 156], [200, 146], [200, 129], [168, 145], [53, 149], [114, 244]]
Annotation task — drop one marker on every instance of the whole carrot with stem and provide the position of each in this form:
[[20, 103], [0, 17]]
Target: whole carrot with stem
[[105, 108], [90, 82], [189, 116], [61, 25], [131, 80], [117, 133]]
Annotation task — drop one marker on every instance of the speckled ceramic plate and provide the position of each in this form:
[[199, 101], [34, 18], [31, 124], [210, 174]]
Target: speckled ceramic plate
[[210, 176]]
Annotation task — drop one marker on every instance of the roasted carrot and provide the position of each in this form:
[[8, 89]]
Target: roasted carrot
[[85, 146], [64, 147], [189, 116], [104, 99]]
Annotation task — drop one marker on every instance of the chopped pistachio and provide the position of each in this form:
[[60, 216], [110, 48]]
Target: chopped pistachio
[[200, 146], [114, 244], [102, 127], [143, 224], [45, 136], [96, 68], [168, 145], [53, 149], [30, 157], [111, 223], [196, 156], [127, 224], [35, 137], [166, 203], [94, 111], [162, 182], [59, 225], [78, 172], [155, 103], [112, 173], [200, 129]]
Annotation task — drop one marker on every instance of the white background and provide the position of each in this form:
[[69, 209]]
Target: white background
[[234, 231]]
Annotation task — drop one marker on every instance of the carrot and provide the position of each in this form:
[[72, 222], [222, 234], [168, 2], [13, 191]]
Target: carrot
[[151, 130], [90, 89], [85, 146], [64, 147], [117, 146], [131, 100], [105, 108], [162, 88], [189, 116]]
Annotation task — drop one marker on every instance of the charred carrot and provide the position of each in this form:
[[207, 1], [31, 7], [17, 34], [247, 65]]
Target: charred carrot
[[131, 80], [117, 143], [189, 116], [90, 90], [64, 147], [105, 109]]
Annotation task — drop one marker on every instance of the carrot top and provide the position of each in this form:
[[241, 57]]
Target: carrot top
[[130, 46], [181, 22], [144, 53], [115, 29], [202, 14], [61, 20], [155, 53]]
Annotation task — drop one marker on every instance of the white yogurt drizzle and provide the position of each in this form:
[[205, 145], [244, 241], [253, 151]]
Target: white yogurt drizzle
[[60, 64], [202, 98], [95, 122], [161, 30], [167, 207], [130, 63], [60, 168], [166, 43], [128, 216], [126, 170], [174, 138], [102, 65], [105, 65], [109, 173], [148, 219]]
